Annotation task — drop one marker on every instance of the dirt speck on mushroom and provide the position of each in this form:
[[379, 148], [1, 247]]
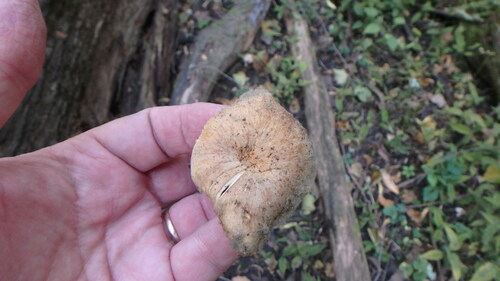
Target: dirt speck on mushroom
[[255, 162]]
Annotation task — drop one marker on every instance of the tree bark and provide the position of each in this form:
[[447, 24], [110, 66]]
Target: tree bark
[[349, 257], [104, 58], [216, 48]]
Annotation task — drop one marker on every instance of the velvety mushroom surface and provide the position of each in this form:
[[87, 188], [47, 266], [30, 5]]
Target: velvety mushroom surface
[[255, 162]]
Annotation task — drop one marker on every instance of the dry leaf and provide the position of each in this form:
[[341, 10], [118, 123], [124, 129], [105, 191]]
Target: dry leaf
[[356, 170], [419, 137], [240, 278], [382, 152], [429, 122], [343, 125], [329, 271], [397, 276], [414, 215], [408, 196], [294, 106], [438, 99], [425, 81], [384, 201], [368, 160], [388, 182], [318, 265]]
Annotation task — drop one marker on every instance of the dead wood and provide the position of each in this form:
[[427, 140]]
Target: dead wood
[[349, 258], [104, 58], [216, 48]]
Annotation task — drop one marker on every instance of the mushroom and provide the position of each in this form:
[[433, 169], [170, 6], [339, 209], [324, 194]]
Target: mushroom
[[255, 162]]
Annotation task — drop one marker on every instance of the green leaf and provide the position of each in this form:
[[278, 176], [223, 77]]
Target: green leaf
[[362, 93], [455, 243], [399, 21], [460, 128], [372, 28], [302, 66], [282, 265], [492, 174], [433, 255], [296, 262], [391, 42], [341, 76], [437, 216], [472, 117], [311, 250], [454, 111], [290, 250], [486, 272], [436, 159], [430, 194], [406, 269], [491, 218], [371, 12], [384, 115], [476, 99], [455, 264], [308, 204], [240, 78], [308, 277]]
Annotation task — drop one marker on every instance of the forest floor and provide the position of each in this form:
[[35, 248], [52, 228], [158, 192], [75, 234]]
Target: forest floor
[[418, 124]]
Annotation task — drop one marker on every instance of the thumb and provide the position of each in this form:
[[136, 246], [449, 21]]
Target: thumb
[[22, 51]]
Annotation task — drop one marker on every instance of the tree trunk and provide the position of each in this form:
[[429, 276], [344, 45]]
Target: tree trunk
[[104, 58]]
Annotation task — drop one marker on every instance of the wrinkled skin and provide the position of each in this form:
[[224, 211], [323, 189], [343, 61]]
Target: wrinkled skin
[[90, 208]]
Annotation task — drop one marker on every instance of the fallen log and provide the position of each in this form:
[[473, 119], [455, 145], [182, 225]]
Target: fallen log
[[349, 258], [216, 48]]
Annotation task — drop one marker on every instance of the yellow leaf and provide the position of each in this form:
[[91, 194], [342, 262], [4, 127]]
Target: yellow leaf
[[492, 174], [433, 255], [429, 122]]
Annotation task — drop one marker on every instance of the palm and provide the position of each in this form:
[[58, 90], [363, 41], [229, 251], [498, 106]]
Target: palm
[[107, 188], [120, 223], [90, 208]]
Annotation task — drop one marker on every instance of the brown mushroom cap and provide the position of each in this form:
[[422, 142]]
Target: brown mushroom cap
[[255, 162]]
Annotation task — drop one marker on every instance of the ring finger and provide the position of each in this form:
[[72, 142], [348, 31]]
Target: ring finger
[[185, 216]]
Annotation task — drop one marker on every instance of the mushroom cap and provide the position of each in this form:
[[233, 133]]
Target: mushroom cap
[[255, 162]]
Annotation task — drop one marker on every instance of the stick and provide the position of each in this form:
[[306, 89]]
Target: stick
[[349, 259]]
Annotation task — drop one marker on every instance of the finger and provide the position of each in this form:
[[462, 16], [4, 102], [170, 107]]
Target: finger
[[190, 213], [172, 181], [154, 136], [22, 51], [204, 255]]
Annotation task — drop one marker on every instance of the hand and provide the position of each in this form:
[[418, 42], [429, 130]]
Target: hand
[[90, 208]]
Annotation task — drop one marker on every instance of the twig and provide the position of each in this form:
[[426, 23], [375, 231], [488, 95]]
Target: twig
[[415, 180]]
